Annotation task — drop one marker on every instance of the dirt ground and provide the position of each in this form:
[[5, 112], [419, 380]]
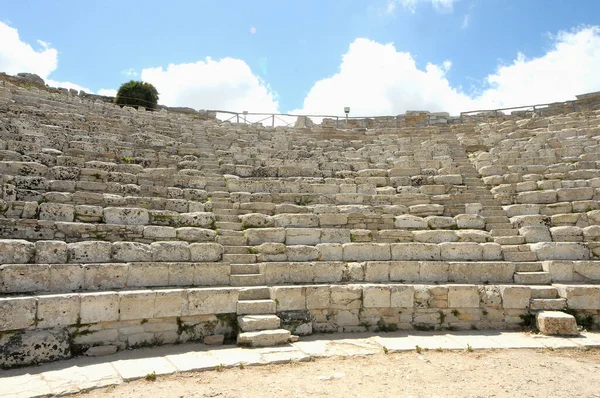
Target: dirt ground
[[506, 373]]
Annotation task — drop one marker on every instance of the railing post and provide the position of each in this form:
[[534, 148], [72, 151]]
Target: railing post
[[237, 117], [273, 120]]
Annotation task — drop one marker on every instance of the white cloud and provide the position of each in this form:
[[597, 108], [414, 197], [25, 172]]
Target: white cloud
[[130, 72], [17, 56], [465, 23], [376, 79], [55, 83], [411, 5], [226, 84], [253, 30], [108, 92]]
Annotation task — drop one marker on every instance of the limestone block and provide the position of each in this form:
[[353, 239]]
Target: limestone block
[[376, 296], [521, 210], [17, 312], [289, 298], [560, 251], [170, 251], [472, 235], [433, 271], [404, 271], [470, 221], [448, 179], [574, 194], [197, 219], [29, 210], [57, 212], [88, 213], [528, 220], [566, 233], [327, 271], [335, 235], [415, 251], [427, 210], [99, 307], [302, 253], [66, 277], [89, 252], [556, 323], [587, 270], [461, 251], [439, 222], [326, 220], [559, 270], [170, 303], [473, 208], [271, 248], [344, 297], [21, 278], [212, 301], [537, 197], [366, 251], [296, 220], [349, 198], [16, 251], [206, 252], [147, 274], [211, 274], [515, 297], [130, 251], [535, 234], [105, 276], [330, 251], [258, 236], [434, 236], [256, 220], [580, 297], [491, 272], [406, 221], [402, 296], [159, 232], [50, 252], [354, 272], [193, 234], [138, 304], [318, 297], [126, 216], [377, 271], [492, 251], [463, 296], [302, 236]]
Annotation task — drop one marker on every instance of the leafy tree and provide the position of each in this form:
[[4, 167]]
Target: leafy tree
[[135, 93]]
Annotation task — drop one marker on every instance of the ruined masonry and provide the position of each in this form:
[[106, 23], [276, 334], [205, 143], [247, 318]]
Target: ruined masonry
[[122, 228]]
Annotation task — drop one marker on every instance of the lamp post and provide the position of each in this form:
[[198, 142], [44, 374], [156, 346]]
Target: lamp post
[[346, 111]]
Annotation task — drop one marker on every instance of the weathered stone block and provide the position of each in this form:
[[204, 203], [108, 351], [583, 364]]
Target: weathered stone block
[[212, 301], [99, 307], [89, 252], [105, 276], [57, 310], [197, 219], [170, 303], [50, 252], [366, 251], [463, 296], [515, 297], [415, 251], [256, 220], [561, 251], [330, 251], [126, 216], [406, 221], [258, 236], [57, 212], [289, 298], [461, 251], [170, 251], [302, 253], [211, 274], [138, 304], [402, 296], [318, 297], [556, 323], [206, 252], [17, 312], [131, 251], [376, 296], [16, 251], [302, 236]]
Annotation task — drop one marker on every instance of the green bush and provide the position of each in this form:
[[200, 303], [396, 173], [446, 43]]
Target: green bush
[[136, 94]]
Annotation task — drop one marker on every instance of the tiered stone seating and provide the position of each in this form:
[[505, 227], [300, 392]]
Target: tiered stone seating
[[122, 228]]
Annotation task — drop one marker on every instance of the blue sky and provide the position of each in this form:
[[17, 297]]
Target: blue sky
[[377, 56]]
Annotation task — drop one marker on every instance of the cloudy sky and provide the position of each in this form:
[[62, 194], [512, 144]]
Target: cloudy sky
[[380, 57]]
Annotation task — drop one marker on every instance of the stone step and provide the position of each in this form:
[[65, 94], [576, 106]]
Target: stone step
[[556, 322], [247, 280], [509, 240], [251, 323], [504, 232], [240, 269], [222, 205], [255, 293], [548, 304], [239, 258], [518, 256], [235, 250], [529, 267], [231, 240], [532, 278], [225, 212], [544, 292], [220, 194], [256, 307], [497, 219], [231, 226], [264, 338], [227, 218], [228, 232], [491, 226]]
